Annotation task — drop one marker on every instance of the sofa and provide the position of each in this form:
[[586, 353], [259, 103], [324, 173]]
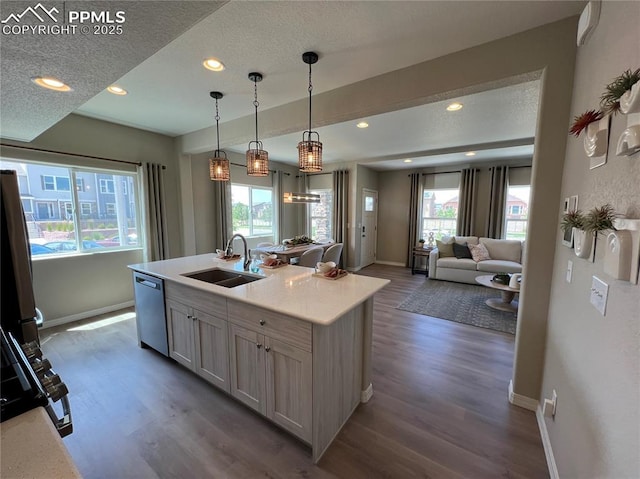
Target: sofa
[[505, 257]]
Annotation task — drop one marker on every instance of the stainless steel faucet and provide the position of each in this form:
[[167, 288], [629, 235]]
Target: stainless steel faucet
[[229, 250]]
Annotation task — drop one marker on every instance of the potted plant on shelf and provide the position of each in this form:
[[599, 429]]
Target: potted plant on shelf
[[610, 99], [600, 219], [581, 122], [421, 243]]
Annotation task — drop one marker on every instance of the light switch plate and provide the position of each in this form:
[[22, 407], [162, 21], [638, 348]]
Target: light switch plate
[[599, 292], [569, 271]]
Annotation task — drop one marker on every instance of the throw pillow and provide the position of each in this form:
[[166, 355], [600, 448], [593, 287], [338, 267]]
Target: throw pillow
[[461, 251], [479, 252], [445, 248]]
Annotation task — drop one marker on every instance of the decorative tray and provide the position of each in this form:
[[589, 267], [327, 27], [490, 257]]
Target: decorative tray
[[233, 257], [321, 275], [264, 266]]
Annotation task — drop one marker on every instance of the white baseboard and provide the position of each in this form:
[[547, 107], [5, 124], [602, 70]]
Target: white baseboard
[[366, 394], [546, 444], [522, 401], [50, 323], [390, 263]]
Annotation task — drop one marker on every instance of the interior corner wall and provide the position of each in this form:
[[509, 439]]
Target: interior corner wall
[[593, 362], [98, 281]]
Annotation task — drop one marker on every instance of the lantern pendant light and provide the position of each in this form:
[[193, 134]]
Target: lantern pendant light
[[257, 158], [310, 151], [219, 164]]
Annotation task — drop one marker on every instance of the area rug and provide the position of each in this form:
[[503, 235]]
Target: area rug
[[462, 303]]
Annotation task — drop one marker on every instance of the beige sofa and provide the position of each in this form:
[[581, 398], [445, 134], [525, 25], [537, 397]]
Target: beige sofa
[[506, 257]]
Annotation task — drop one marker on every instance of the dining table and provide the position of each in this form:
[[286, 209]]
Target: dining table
[[287, 253]]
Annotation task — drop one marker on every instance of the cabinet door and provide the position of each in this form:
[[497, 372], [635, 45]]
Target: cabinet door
[[246, 350], [212, 357], [180, 328], [289, 371]]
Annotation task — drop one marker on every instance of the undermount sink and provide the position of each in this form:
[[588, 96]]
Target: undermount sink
[[220, 277]]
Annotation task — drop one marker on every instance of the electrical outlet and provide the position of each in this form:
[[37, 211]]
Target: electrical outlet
[[569, 271], [599, 293]]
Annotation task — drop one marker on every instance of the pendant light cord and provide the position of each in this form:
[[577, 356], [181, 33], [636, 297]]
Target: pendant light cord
[[310, 90], [217, 129], [255, 104]]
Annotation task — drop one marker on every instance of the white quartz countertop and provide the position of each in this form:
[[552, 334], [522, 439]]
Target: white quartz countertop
[[32, 448], [291, 290]]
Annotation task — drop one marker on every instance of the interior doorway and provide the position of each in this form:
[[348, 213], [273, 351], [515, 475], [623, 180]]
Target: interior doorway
[[369, 229]]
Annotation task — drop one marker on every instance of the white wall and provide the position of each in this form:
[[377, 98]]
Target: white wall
[[593, 362]]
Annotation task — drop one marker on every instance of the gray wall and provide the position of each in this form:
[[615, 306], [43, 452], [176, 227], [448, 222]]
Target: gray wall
[[393, 219], [593, 362], [70, 287]]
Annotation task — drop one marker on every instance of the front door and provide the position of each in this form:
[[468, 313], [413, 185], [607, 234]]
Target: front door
[[369, 230]]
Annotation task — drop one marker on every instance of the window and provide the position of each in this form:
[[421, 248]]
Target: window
[[55, 183], [252, 210], [61, 224], [516, 215], [439, 212], [85, 209], [111, 209], [320, 215], [48, 183], [106, 186]]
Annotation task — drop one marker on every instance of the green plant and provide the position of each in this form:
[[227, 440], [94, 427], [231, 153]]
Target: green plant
[[580, 122], [572, 219], [600, 219], [421, 240], [610, 99]]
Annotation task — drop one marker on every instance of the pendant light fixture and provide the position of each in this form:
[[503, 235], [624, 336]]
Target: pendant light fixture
[[310, 151], [257, 158], [219, 164]]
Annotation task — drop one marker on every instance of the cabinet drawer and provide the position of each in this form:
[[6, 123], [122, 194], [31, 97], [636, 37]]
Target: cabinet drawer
[[204, 301], [291, 330]]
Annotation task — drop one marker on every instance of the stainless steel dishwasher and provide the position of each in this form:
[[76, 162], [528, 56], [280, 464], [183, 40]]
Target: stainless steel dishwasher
[[150, 312]]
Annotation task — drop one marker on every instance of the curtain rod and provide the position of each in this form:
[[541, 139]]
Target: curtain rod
[[460, 171], [316, 174], [270, 171], [76, 155]]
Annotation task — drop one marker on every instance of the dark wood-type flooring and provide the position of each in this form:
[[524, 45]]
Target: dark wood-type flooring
[[439, 408]]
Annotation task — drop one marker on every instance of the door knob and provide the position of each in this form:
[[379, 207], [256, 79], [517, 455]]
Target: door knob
[[262, 322], [267, 349]]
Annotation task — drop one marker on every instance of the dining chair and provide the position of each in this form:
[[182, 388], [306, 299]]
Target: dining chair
[[311, 257], [333, 253]]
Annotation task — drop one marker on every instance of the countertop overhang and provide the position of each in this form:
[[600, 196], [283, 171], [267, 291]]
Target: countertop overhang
[[290, 290]]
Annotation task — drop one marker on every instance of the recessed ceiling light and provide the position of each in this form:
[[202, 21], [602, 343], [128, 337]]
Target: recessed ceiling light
[[213, 64], [363, 124], [470, 153], [116, 90], [51, 83], [455, 106], [408, 160]]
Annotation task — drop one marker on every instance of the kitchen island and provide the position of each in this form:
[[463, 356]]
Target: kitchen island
[[292, 346]]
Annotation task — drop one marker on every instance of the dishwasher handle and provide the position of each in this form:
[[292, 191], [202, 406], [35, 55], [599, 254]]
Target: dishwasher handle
[[146, 282]]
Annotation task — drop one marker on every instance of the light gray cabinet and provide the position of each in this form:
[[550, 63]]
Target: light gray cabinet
[[269, 375], [198, 334]]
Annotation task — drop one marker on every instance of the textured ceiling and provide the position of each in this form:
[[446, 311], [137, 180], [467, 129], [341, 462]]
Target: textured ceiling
[[87, 62], [168, 88]]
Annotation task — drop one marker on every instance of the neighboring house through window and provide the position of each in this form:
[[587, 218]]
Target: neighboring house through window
[[517, 212], [439, 212], [321, 215], [252, 210]]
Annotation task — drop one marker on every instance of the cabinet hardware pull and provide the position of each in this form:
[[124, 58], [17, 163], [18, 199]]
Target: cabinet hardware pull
[[267, 349], [258, 345], [195, 318], [189, 316], [262, 322]]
